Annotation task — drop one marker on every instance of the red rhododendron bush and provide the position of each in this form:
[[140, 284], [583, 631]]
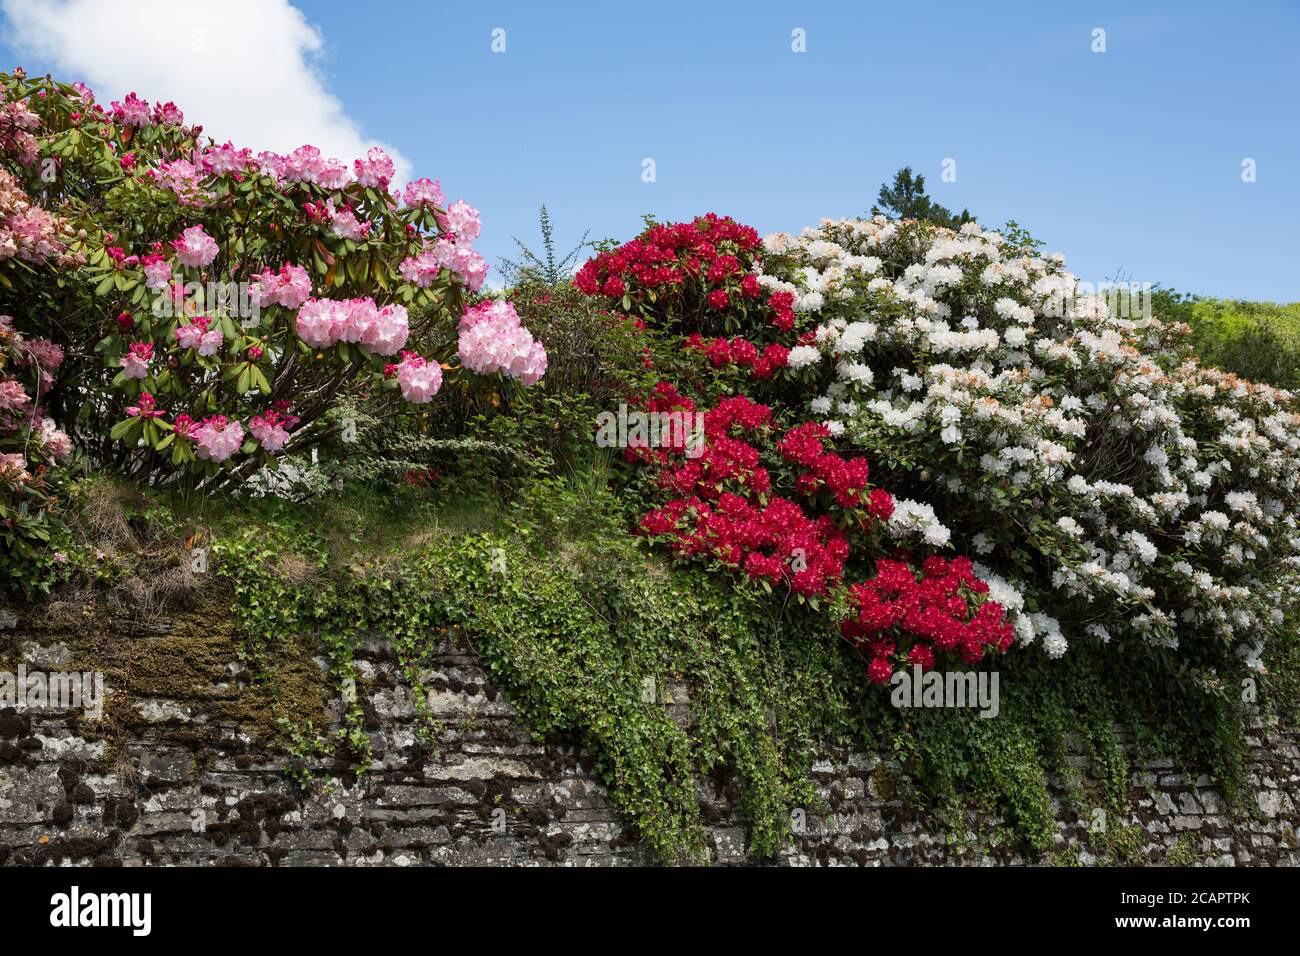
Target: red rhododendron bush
[[773, 501]]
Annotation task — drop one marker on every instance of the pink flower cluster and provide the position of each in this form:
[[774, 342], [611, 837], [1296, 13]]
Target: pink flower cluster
[[216, 439], [199, 337], [462, 221], [446, 253], [289, 287], [418, 378], [326, 322], [225, 159], [376, 170], [157, 271], [183, 179], [346, 225], [27, 231], [306, 165], [423, 192], [492, 339], [135, 363], [271, 428], [131, 111], [146, 407], [134, 111], [56, 441], [13, 397], [195, 248]]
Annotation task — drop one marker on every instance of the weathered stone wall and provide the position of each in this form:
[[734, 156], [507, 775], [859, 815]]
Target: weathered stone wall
[[189, 785]]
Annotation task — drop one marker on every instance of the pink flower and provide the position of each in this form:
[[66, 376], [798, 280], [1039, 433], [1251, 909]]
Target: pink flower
[[225, 159], [418, 379], [346, 225], [57, 443], [376, 170], [185, 427], [304, 164], [210, 343], [290, 287], [270, 430], [420, 270], [195, 248], [217, 439], [132, 111], [45, 354], [423, 192], [388, 332], [13, 467], [13, 397], [464, 262], [157, 271], [191, 336], [493, 340], [461, 219], [168, 114], [146, 407], [334, 174], [135, 363], [320, 320], [182, 178]]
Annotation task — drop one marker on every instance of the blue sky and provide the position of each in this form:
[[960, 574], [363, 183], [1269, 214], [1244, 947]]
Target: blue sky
[[1128, 160]]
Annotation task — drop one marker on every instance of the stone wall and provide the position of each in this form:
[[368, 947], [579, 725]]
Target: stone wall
[[186, 784]]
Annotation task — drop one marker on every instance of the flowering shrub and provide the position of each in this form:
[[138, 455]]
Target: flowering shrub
[[727, 506], [213, 305], [1100, 473], [34, 452], [778, 504], [698, 275], [936, 609]]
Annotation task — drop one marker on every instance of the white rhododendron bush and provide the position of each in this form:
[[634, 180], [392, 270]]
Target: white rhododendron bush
[[1110, 488]]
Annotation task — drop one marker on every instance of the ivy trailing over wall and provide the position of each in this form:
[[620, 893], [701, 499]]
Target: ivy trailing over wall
[[671, 677]]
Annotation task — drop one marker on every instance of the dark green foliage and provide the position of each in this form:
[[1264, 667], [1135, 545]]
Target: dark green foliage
[[905, 198]]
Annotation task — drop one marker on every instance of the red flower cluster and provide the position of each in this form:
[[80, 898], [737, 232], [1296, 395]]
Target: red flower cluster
[[770, 542], [845, 478], [737, 351], [942, 610], [723, 506], [712, 255], [725, 463]]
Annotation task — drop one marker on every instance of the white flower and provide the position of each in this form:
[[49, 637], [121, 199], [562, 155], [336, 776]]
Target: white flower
[[1070, 526], [801, 356]]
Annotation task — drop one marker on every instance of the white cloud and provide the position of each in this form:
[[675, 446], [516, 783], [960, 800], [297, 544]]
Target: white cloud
[[246, 69]]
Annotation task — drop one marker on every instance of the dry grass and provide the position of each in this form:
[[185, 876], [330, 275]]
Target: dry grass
[[159, 568]]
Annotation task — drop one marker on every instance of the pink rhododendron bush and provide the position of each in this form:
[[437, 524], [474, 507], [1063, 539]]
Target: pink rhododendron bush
[[34, 451], [212, 305]]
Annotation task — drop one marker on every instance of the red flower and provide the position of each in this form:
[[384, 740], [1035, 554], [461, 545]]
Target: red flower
[[879, 670]]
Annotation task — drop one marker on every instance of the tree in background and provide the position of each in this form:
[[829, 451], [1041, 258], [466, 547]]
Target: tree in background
[[906, 199], [549, 267]]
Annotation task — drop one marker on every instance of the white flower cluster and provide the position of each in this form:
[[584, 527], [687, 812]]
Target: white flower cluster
[[1157, 497]]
